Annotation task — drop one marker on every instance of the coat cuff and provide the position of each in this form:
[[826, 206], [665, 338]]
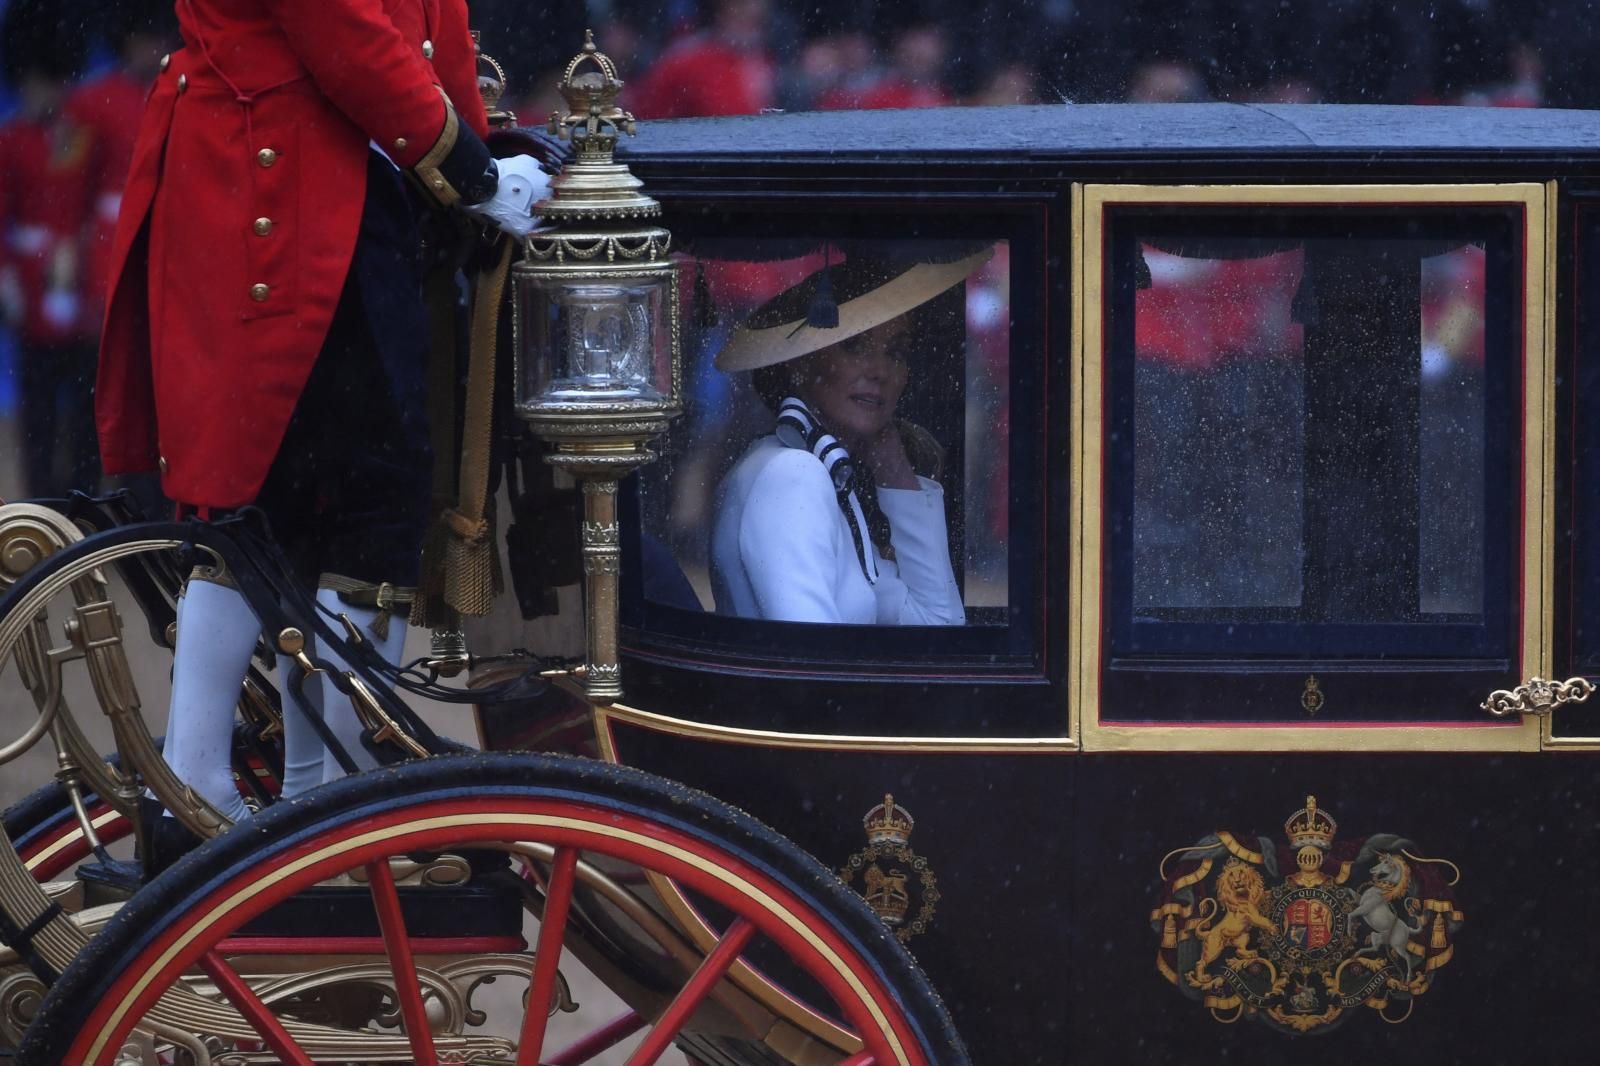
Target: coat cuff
[[458, 169]]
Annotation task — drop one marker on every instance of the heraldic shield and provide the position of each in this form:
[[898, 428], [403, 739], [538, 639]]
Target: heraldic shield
[[1298, 935]]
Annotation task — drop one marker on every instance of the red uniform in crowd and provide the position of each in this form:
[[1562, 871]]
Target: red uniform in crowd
[[46, 200], [704, 76], [46, 193], [888, 94], [241, 213]]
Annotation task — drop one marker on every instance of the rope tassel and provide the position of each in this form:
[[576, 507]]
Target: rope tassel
[[460, 560], [472, 574]]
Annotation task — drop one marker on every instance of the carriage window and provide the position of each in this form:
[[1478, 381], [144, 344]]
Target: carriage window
[[844, 450], [1312, 453]]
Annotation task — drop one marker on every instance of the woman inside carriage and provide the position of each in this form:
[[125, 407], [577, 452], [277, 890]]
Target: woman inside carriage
[[838, 514]]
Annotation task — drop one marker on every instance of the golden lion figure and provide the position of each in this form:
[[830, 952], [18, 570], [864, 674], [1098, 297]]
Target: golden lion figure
[[1239, 889], [887, 894]]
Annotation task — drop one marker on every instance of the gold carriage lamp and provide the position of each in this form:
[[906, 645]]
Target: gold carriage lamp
[[596, 323]]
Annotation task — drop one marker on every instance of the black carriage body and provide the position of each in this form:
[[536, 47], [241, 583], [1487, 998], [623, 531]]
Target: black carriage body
[[1125, 692]]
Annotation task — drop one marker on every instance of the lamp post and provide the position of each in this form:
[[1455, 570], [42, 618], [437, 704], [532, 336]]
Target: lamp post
[[598, 366]]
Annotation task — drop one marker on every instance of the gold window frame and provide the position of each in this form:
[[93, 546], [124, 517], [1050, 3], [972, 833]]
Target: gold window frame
[[1086, 624]]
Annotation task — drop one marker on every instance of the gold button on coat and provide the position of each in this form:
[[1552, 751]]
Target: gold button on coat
[[427, 49], [266, 157], [183, 83], [260, 292], [263, 227], [400, 144], [161, 464], [166, 61]]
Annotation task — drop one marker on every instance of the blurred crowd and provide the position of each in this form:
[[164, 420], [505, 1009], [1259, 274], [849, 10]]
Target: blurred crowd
[[75, 74], [76, 87], [716, 57]]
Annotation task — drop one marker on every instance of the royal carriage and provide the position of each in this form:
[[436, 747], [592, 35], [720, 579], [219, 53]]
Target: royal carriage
[[1263, 442]]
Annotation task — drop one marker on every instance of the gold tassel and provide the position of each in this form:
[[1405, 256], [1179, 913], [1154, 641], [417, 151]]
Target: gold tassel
[[472, 576], [1169, 933], [1438, 940]]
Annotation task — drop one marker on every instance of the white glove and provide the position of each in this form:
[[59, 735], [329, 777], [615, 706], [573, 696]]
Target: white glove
[[522, 184]]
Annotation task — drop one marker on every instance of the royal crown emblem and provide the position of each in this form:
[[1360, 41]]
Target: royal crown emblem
[[1309, 827], [1295, 936], [887, 868], [888, 824], [1311, 697]]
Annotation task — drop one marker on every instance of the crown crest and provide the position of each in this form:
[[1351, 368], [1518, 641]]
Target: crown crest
[[888, 823], [1310, 827]]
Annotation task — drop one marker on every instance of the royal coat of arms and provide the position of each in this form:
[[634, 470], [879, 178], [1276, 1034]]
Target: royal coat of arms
[[1296, 936]]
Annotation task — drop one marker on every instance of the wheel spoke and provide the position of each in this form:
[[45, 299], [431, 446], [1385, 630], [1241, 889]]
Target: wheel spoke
[[558, 816], [605, 1038], [257, 1013], [547, 956], [689, 998], [407, 988]]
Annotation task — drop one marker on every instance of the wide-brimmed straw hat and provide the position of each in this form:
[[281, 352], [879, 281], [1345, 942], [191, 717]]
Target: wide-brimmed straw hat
[[867, 292]]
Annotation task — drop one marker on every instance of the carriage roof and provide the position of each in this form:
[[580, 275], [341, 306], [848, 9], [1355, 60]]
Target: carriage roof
[[1109, 132]]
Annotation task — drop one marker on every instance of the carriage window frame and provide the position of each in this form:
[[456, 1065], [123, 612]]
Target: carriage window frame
[[1100, 726], [1011, 683], [1576, 728]]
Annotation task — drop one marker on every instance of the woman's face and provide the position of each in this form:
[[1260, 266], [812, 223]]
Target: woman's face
[[855, 385]]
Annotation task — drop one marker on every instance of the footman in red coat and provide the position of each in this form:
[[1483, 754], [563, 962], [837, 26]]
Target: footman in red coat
[[264, 329]]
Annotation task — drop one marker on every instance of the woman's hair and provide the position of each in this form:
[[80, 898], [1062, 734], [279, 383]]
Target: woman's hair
[[774, 384], [878, 527], [777, 382]]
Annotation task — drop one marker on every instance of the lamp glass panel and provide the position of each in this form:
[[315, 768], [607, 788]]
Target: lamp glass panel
[[603, 340]]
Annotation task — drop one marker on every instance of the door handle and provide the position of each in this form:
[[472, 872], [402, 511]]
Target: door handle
[[1537, 696]]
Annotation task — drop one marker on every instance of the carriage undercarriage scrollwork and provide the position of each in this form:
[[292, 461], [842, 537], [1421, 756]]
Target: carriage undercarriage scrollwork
[[419, 908]]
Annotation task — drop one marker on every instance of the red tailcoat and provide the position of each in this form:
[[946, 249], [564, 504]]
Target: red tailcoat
[[240, 217], [109, 107]]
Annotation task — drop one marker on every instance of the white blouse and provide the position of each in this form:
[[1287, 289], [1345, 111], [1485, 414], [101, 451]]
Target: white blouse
[[781, 548]]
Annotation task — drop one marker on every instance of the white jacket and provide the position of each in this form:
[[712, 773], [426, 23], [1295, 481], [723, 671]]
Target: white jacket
[[781, 548]]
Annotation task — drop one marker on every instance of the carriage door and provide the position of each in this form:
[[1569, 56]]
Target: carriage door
[[1317, 447], [1335, 514]]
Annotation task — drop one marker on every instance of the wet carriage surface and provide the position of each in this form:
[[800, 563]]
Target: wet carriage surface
[[1255, 446], [1264, 464]]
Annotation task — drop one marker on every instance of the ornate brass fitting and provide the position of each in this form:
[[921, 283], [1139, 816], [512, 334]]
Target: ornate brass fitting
[[448, 652], [593, 186], [1537, 696], [591, 98], [492, 83]]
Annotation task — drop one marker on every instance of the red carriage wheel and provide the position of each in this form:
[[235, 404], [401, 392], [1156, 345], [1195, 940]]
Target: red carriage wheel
[[48, 834], [143, 969]]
